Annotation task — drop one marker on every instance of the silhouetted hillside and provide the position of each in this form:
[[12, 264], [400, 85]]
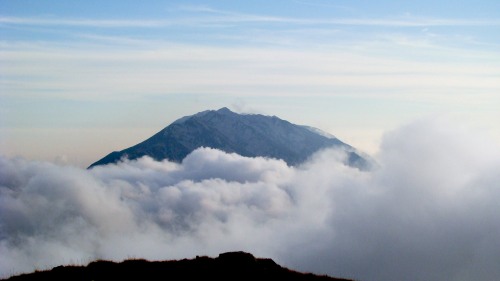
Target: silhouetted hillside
[[227, 266]]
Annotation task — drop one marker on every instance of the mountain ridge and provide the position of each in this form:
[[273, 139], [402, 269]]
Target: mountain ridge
[[227, 266], [249, 135]]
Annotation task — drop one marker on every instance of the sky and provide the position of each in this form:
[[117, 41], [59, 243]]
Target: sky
[[415, 84], [80, 79]]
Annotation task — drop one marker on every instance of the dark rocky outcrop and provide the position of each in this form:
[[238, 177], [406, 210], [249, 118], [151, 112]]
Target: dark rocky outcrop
[[227, 266]]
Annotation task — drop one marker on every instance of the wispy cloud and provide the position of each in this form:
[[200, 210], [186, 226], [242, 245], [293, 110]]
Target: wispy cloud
[[206, 51], [170, 68], [209, 16], [109, 23], [412, 22]]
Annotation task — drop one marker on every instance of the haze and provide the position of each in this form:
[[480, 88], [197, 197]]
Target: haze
[[102, 77]]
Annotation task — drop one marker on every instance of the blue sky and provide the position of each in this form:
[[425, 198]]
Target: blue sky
[[79, 79]]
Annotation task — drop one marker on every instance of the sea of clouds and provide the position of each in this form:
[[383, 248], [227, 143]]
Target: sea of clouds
[[429, 210]]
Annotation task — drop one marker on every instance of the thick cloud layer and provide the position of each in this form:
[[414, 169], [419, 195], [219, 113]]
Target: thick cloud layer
[[429, 211]]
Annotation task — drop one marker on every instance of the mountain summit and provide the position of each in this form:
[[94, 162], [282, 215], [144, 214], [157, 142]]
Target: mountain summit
[[249, 135]]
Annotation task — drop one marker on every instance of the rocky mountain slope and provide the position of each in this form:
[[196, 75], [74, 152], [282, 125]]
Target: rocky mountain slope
[[249, 135]]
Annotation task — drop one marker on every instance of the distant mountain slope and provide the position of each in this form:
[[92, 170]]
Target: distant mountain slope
[[249, 135], [227, 266]]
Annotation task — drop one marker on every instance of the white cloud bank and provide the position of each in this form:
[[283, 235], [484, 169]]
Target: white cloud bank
[[429, 212]]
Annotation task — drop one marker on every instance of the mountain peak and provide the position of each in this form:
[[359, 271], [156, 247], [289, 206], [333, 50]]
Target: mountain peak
[[224, 110], [249, 135]]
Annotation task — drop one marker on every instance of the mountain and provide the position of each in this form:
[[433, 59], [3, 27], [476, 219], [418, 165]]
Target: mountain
[[227, 266], [249, 135]]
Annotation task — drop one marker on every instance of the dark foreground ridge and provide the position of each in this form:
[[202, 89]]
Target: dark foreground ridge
[[227, 266]]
